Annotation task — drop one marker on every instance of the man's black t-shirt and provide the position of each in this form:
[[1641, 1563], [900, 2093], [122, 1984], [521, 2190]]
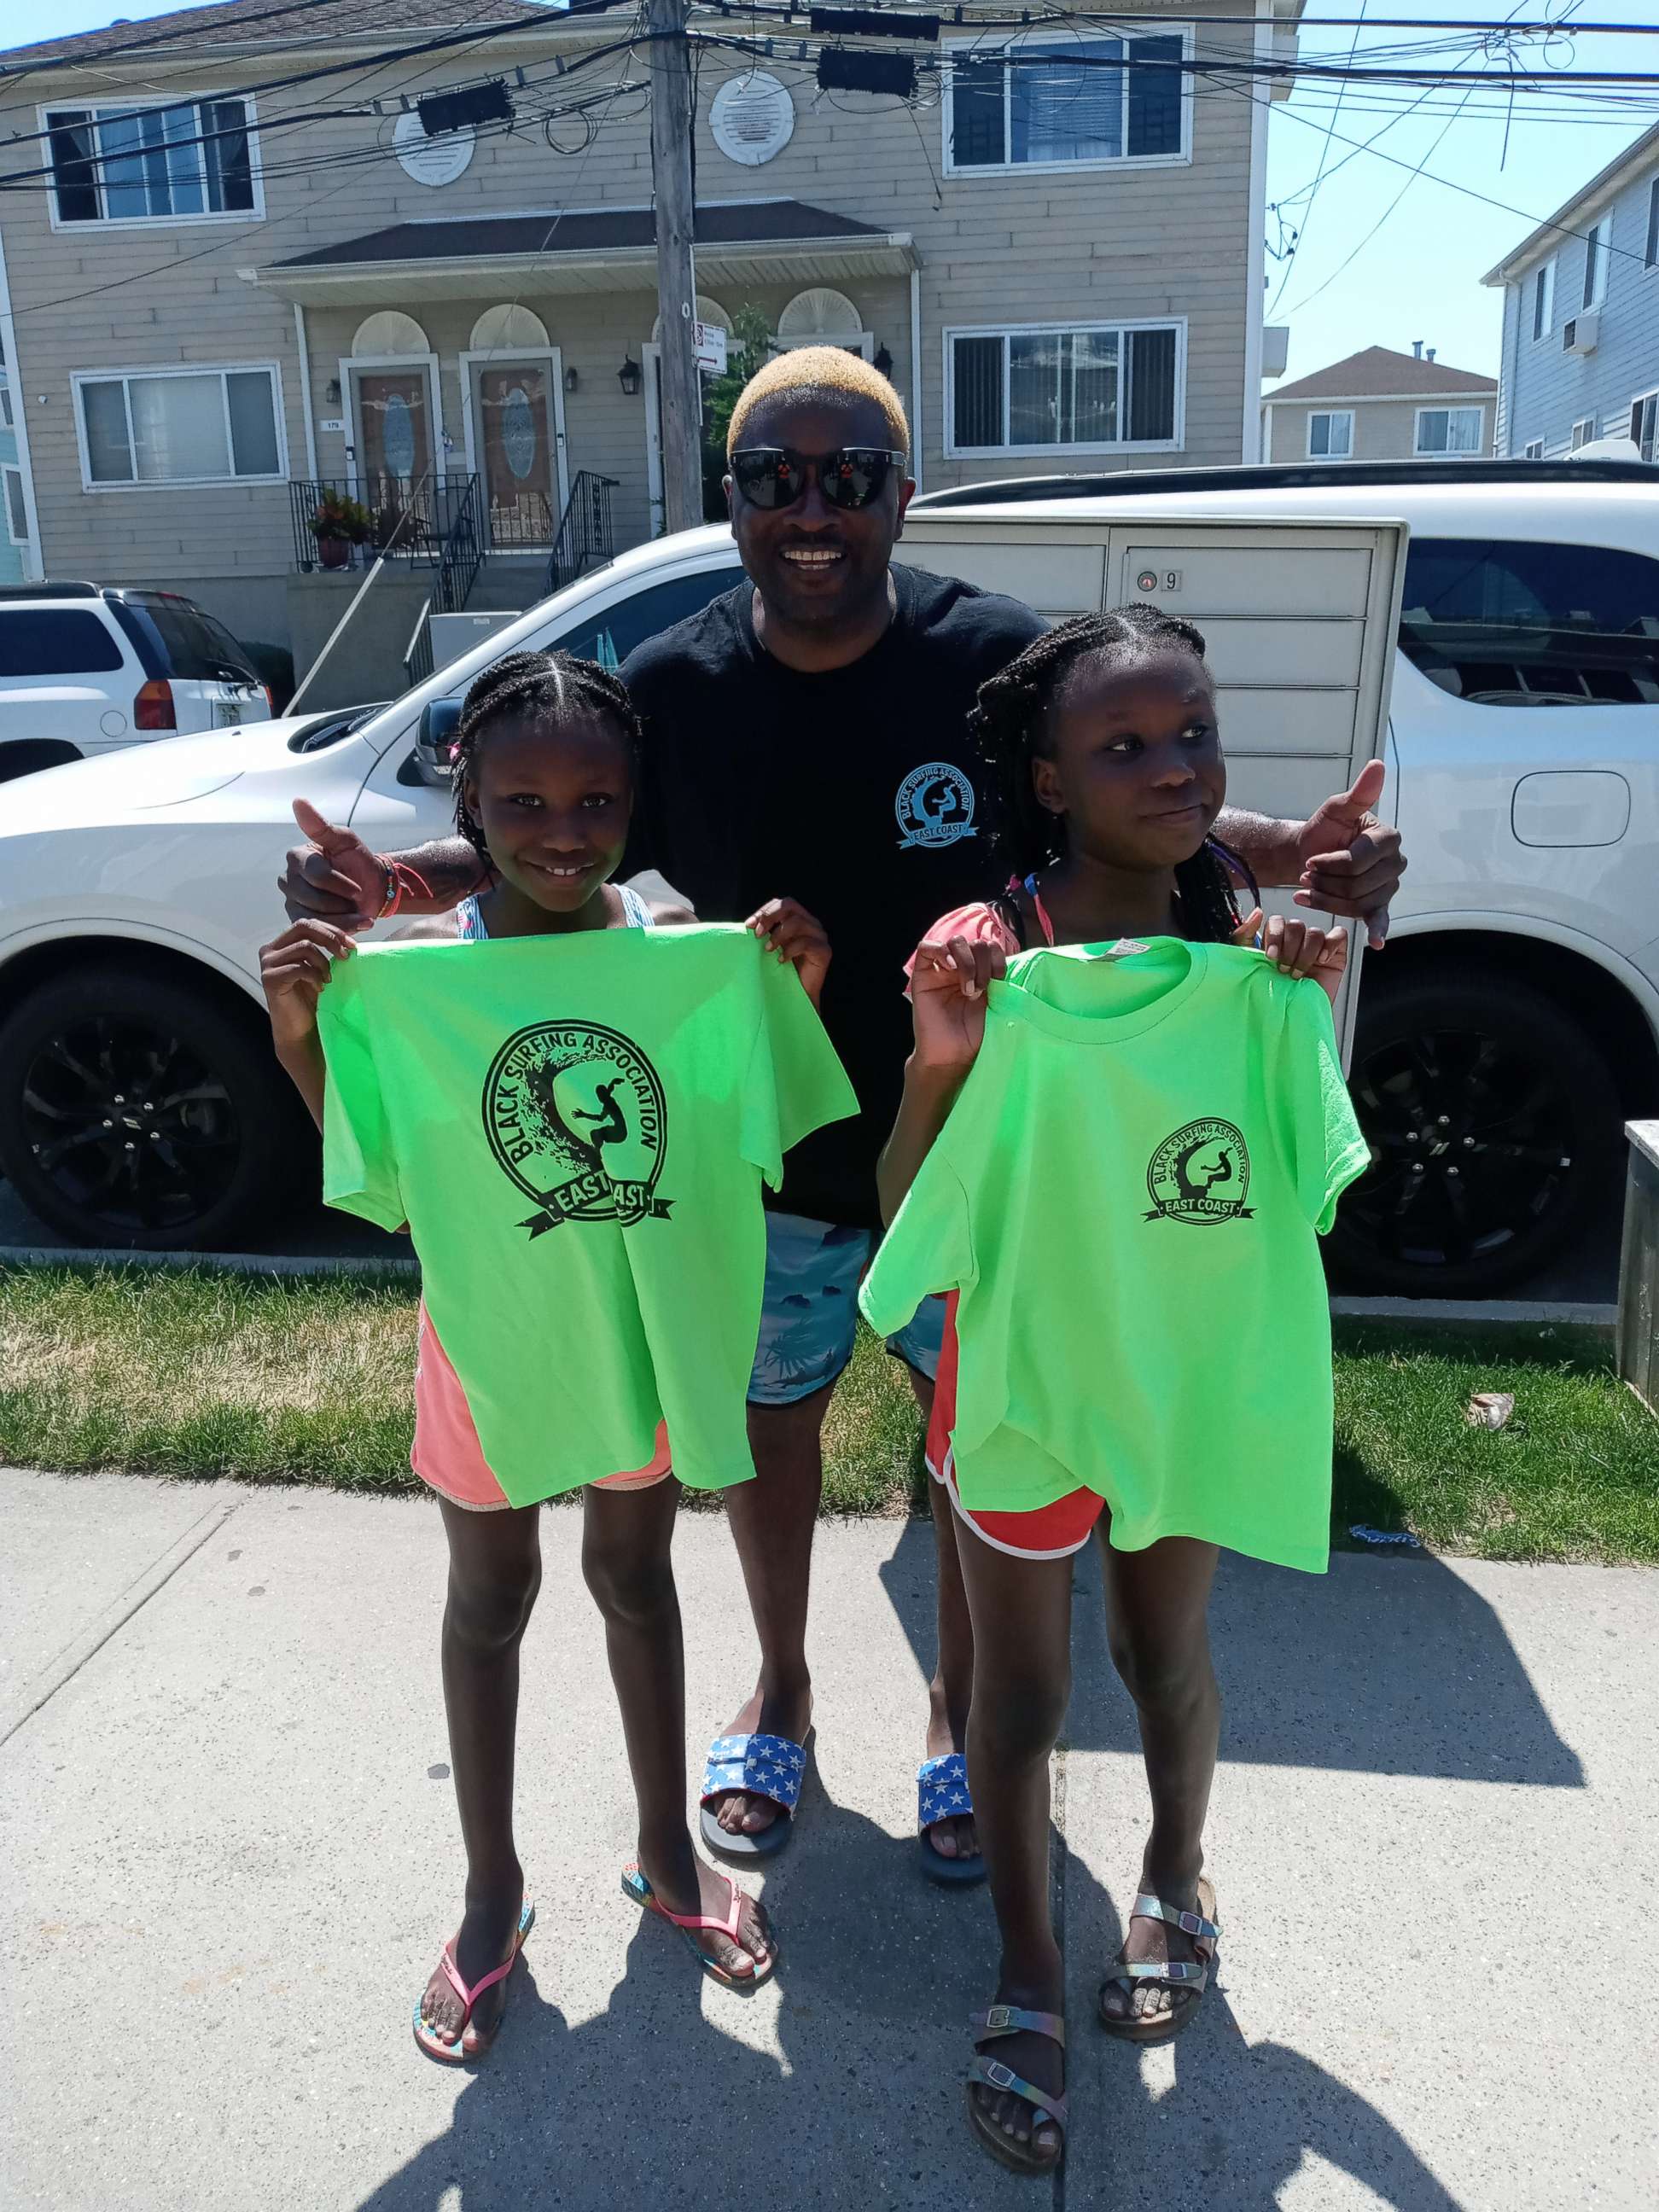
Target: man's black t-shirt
[[856, 792]]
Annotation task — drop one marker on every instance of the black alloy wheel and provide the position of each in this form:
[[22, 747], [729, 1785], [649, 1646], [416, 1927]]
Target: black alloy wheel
[[134, 1112], [1493, 1124]]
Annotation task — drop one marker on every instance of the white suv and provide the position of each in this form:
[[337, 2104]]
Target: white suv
[[1512, 1021], [85, 669]]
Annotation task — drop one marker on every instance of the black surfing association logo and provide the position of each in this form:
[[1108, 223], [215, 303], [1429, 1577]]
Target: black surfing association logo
[[1202, 1175], [575, 1116]]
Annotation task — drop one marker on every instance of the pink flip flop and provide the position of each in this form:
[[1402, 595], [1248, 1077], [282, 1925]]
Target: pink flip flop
[[451, 2054], [635, 1886]]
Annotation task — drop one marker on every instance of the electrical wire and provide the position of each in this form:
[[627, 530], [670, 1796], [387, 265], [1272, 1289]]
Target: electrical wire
[[1324, 155], [238, 237]]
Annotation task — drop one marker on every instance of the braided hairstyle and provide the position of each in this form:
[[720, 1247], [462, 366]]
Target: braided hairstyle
[[532, 685], [1011, 726]]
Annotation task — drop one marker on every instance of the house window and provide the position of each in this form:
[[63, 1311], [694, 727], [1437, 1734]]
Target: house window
[[1330, 434], [1450, 429], [1596, 263], [191, 426], [1582, 431], [152, 164], [17, 519], [1033, 390], [1532, 450], [1063, 103], [1543, 300], [1650, 258], [6, 420], [1644, 423]]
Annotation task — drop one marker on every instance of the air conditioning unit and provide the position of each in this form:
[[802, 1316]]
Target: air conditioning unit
[[1581, 334]]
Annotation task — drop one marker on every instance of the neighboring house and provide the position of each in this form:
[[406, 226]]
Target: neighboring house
[[225, 311], [13, 508], [1581, 317], [1379, 405]]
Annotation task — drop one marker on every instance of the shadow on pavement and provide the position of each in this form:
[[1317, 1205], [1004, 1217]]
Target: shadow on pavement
[[1393, 1667], [1238, 2121], [650, 2101]]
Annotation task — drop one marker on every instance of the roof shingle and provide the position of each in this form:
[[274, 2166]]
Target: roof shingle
[[592, 231], [228, 23], [1378, 372]]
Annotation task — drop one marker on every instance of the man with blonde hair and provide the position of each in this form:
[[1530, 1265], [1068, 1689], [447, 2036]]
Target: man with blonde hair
[[806, 735]]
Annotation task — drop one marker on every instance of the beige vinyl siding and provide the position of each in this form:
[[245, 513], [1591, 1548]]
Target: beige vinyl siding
[[1383, 430], [1099, 247]]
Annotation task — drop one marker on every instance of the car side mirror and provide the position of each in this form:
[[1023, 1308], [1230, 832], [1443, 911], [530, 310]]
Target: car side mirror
[[434, 742]]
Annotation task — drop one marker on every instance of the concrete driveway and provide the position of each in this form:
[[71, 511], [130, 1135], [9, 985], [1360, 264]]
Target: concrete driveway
[[231, 1856]]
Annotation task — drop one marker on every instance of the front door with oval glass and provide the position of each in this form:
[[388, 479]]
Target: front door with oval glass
[[394, 428], [516, 427]]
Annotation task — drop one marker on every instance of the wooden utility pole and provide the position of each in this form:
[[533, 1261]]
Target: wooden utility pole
[[677, 284]]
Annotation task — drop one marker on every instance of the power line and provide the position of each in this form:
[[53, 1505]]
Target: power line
[[442, 43], [238, 237], [146, 45], [1324, 155], [1468, 191], [37, 179]]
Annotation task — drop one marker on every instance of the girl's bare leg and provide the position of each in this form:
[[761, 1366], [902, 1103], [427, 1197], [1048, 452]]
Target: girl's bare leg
[[1157, 1607], [1022, 1625]]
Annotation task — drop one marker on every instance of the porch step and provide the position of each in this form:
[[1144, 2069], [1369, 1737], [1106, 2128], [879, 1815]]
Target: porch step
[[516, 579]]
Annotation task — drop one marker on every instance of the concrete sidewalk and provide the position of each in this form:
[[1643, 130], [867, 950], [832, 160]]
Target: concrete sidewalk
[[231, 1856]]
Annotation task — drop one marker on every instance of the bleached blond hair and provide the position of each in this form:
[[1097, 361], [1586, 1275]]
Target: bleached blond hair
[[819, 372]]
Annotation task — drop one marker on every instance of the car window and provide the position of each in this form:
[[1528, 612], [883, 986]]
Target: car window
[[610, 637], [198, 649], [1509, 623], [55, 642]]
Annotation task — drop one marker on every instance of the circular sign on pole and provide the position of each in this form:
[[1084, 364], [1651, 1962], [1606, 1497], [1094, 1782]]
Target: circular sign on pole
[[752, 118], [431, 160]]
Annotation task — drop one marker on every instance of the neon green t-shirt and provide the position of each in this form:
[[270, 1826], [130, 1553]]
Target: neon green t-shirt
[[1128, 1194], [575, 1130]]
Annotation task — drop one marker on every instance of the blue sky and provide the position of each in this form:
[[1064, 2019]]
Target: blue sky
[[1419, 275]]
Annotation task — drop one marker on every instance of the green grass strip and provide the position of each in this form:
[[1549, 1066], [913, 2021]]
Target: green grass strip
[[197, 1373]]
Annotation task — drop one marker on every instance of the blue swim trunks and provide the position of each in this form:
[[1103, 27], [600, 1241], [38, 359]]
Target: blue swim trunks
[[809, 1313]]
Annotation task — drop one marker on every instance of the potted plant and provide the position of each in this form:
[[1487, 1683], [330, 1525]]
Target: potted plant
[[339, 524]]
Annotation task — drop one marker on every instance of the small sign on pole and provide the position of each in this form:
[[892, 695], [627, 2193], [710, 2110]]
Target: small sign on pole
[[708, 343]]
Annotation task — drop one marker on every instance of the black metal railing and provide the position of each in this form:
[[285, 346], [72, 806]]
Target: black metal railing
[[460, 554], [524, 524], [586, 538], [347, 522]]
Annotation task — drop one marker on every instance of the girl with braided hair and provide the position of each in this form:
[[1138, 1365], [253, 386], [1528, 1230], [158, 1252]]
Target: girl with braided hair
[[1105, 754], [544, 768]]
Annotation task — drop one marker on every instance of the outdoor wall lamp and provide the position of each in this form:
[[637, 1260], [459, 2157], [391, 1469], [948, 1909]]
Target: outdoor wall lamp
[[572, 381], [628, 377], [331, 392], [884, 362]]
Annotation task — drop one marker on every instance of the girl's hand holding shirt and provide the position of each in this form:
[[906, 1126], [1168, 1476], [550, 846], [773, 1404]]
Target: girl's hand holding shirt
[[293, 969], [1299, 948], [948, 983]]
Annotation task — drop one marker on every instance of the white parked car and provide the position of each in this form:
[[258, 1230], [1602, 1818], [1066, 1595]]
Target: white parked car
[[1495, 1045], [86, 669]]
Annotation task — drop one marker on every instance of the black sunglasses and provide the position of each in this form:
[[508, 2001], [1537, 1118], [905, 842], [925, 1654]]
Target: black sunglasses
[[777, 476]]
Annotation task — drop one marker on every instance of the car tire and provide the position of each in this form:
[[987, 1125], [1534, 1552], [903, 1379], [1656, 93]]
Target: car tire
[[136, 1113], [1494, 1125]]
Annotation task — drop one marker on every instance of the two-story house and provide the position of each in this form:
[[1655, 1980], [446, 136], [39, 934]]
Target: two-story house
[[1381, 405], [255, 278], [1581, 317]]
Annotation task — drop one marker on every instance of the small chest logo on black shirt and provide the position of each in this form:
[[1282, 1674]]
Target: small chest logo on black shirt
[[575, 1116], [1202, 1175], [934, 805]]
